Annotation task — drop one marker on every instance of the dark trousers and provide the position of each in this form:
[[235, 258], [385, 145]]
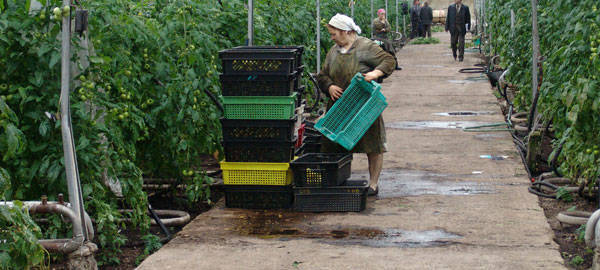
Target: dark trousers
[[457, 41], [427, 30], [414, 29]]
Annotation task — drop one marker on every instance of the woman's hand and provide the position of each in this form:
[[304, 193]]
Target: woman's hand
[[335, 92], [373, 75]]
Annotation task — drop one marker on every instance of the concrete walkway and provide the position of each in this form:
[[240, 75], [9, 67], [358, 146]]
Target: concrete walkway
[[441, 205]]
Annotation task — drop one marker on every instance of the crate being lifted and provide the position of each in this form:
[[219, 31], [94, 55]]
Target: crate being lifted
[[353, 114]]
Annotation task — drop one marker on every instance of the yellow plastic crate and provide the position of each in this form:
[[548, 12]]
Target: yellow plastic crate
[[253, 173]]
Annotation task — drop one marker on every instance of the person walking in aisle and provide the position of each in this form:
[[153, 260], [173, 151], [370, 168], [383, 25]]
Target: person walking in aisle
[[349, 55], [381, 27], [415, 19], [458, 22], [426, 19]]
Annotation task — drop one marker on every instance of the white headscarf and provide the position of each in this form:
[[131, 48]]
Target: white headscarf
[[344, 22]]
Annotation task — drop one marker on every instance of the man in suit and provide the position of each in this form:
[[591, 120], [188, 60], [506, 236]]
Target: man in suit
[[426, 19], [415, 19], [458, 21]]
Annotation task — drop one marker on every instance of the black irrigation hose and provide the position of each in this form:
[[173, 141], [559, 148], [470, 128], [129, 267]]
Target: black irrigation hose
[[215, 100], [541, 194], [472, 70], [159, 222]]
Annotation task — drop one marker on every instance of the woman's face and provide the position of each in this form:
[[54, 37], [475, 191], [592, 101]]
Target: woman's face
[[381, 15], [338, 36]]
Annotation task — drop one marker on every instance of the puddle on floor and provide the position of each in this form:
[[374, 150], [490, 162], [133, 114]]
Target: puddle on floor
[[464, 113], [434, 124], [490, 136], [429, 66], [476, 78], [403, 183], [460, 81], [402, 239]]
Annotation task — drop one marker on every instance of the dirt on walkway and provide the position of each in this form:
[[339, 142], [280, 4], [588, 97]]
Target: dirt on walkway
[[449, 199]]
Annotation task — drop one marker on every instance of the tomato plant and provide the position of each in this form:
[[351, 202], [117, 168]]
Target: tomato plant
[[569, 96], [140, 99]]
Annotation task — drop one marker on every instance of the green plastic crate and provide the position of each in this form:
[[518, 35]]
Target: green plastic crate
[[263, 107], [354, 113]]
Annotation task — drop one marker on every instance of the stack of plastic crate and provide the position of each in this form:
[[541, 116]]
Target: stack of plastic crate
[[262, 118]]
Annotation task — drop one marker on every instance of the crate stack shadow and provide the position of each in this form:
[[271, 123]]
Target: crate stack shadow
[[263, 117]]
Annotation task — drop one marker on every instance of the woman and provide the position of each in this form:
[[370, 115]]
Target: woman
[[351, 54], [381, 27]]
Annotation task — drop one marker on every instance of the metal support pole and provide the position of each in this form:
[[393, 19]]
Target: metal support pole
[[512, 22], [352, 9], [250, 22], [535, 51], [396, 15], [318, 36], [73, 183], [386, 7], [371, 18]]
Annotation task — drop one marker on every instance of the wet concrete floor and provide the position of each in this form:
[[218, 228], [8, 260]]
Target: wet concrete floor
[[434, 124], [440, 204], [401, 183]]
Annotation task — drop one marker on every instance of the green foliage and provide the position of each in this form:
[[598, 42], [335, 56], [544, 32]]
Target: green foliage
[[19, 247], [564, 195], [580, 233], [437, 28], [569, 95], [139, 104], [152, 243], [577, 260], [422, 40]]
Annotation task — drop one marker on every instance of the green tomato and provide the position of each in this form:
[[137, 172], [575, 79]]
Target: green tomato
[[82, 78], [57, 12], [121, 116], [596, 152], [212, 116], [126, 114], [127, 73], [150, 101], [145, 55], [3, 86], [147, 66], [589, 150], [9, 97], [66, 10], [123, 96]]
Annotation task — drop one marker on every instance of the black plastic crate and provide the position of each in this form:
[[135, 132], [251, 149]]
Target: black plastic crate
[[258, 197], [321, 169], [351, 197], [249, 151], [311, 147], [298, 50], [258, 130], [311, 137], [259, 85], [258, 61]]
